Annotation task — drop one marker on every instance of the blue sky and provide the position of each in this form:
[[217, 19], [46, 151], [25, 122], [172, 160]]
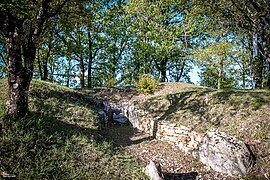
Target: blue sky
[[194, 77]]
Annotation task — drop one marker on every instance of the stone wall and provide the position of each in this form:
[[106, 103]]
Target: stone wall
[[181, 136], [221, 152]]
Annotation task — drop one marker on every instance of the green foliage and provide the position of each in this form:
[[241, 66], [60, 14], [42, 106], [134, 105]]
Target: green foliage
[[60, 139], [158, 36], [146, 83], [110, 83]]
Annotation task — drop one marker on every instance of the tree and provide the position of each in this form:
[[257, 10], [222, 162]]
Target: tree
[[111, 46], [163, 35], [45, 51], [217, 59], [248, 17], [22, 23]]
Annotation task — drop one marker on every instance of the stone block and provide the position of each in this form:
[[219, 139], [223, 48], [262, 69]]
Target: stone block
[[225, 154], [185, 128], [180, 131]]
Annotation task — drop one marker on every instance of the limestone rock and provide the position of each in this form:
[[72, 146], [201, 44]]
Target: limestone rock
[[225, 154], [153, 171]]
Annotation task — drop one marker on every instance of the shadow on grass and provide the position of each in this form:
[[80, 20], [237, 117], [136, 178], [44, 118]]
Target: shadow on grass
[[41, 147], [125, 135], [199, 102], [60, 139]]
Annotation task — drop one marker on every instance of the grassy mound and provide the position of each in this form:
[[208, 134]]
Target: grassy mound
[[244, 114], [59, 139]]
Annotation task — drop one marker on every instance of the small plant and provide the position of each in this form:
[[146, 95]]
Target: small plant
[[146, 83], [110, 83]]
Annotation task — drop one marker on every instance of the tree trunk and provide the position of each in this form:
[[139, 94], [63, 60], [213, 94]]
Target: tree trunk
[[163, 69], [243, 79], [81, 71], [19, 37], [266, 49], [19, 72], [268, 78], [82, 84], [220, 73], [39, 65], [90, 62], [46, 59], [182, 70], [184, 61], [45, 63], [68, 72], [257, 63]]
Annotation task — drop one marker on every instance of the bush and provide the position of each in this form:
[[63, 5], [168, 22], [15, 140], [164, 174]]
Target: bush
[[146, 83], [110, 83]]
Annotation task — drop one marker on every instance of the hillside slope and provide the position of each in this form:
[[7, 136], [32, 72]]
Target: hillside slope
[[60, 139], [244, 114]]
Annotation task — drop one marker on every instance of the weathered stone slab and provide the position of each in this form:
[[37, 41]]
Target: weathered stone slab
[[225, 154]]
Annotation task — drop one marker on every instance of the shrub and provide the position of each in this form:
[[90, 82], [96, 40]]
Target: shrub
[[110, 83], [146, 83]]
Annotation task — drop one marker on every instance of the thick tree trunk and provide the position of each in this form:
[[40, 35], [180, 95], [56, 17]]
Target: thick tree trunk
[[19, 37], [19, 72]]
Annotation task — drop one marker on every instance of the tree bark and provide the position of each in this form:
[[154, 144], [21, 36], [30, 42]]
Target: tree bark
[[90, 62], [21, 45], [45, 62], [82, 75], [257, 63], [266, 50], [163, 69], [82, 84], [19, 73], [39, 65]]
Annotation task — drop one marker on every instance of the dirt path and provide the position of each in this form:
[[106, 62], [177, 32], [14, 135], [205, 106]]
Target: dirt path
[[174, 163]]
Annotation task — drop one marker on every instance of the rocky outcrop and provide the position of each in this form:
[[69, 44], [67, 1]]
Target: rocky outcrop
[[215, 149], [224, 153]]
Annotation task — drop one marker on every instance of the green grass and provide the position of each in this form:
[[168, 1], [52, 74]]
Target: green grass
[[60, 139]]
